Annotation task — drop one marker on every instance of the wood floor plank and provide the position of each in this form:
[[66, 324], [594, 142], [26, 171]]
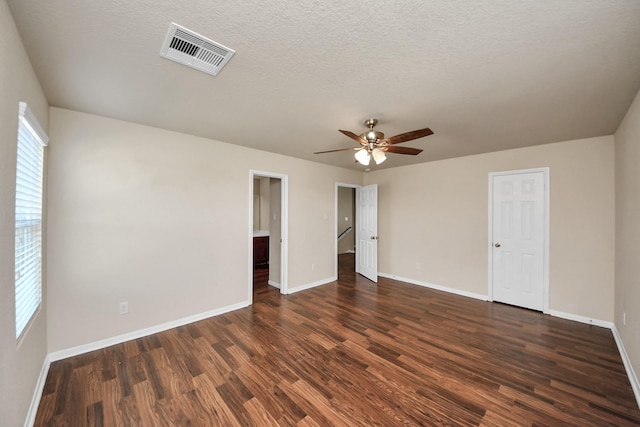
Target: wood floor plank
[[219, 411], [259, 414], [351, 353], [317, 404], [144, 397]]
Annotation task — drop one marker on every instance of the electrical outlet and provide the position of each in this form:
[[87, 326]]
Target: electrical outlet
[[624, 318], [313, 267], [418, 266], [124, 307]]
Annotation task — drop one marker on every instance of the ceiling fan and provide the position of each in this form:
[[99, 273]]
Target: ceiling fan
[[374, 144]]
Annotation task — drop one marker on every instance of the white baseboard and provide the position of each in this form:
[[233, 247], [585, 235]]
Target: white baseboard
[[85, 348], [581, 319], [312, 285], [274, 284], [633, 379], [37, 393], [436, 287]]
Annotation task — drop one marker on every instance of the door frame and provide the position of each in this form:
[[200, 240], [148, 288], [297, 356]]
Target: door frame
[[335, 225], [546, 213], [284, 231]]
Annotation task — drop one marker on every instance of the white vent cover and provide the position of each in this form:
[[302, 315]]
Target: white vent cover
[[193, 50]]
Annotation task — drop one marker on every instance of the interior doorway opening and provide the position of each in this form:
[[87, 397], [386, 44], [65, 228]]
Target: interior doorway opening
[[267, 233], [345, 228]]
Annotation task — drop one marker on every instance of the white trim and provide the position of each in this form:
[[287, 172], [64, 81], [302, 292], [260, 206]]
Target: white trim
[[581, 319], [97, 345], [274, 284], [37, 393], [547, 218], [312, 285], [284, 230], [633, 379], [31, 121], [335, 233], [436, 287]]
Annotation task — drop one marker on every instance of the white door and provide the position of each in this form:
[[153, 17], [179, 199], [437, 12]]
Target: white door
[[518, 238], [367, 232]]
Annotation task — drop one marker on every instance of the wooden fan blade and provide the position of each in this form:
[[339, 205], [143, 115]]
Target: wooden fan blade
[[354, 136], [401, 150], [340, 149], [403, 137]]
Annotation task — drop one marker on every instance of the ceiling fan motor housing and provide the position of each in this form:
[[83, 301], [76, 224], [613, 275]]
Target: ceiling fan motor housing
[[372, 136]]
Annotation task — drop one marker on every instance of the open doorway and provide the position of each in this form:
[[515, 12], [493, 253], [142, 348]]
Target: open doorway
[[267, 236], [345, 229]]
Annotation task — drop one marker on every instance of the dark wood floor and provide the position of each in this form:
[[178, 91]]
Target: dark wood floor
[[351, 353], [261, 287]]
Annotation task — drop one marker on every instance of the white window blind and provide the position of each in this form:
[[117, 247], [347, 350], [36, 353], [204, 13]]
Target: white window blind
[[29, 171]]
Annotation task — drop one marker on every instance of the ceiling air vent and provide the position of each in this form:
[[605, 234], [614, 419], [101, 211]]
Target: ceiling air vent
[[193, 50]]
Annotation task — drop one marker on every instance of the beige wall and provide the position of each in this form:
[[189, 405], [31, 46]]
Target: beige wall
[[436, 214], [627, 289], [161, 220], [346, 210], [19, 366]]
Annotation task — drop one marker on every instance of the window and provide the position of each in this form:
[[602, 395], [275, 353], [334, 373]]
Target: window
[[29, 171]]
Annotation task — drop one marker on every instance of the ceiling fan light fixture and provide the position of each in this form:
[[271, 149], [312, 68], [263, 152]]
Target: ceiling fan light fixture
[[362, 156], [378, 155]]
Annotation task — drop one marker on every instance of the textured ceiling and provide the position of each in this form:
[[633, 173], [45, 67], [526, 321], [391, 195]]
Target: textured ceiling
[[484, 75]]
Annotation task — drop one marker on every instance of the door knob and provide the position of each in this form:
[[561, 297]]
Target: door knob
[[497, 245], [374, 237]]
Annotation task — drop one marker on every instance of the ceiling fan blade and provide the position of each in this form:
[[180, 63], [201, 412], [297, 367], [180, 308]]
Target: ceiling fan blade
[[354, 136], [401, 150], [340, 149], [403, 137]]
